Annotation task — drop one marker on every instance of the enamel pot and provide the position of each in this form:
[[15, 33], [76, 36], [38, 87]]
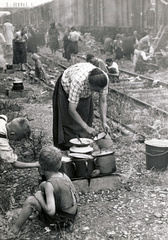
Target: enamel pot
[[103, 140], [84, 165], [18, 85], [68, 167], [105, 161]]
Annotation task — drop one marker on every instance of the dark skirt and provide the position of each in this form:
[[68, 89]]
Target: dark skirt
[[31, 45], [64, 126], [118, 53], [74, 47], [144, 66], [19, 53], [67, 54]]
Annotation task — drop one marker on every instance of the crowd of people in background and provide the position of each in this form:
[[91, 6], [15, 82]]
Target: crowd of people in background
[[137, 48]]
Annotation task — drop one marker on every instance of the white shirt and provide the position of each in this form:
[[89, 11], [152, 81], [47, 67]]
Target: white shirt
[[6, 152], [74, 36]]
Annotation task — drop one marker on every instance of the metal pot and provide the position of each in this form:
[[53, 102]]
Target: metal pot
[[68, 167], [18, 85], [103, 140], [105, 161], [84, 165]]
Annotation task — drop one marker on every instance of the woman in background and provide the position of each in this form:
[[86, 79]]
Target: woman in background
[[19, 49], [53, 38], [67, 53], [31, 42]]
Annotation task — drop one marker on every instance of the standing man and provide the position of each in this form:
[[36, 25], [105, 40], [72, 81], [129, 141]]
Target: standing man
[[74, 37], [8, 32]]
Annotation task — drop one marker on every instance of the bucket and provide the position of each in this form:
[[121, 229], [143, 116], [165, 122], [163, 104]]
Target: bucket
[[156, 154]]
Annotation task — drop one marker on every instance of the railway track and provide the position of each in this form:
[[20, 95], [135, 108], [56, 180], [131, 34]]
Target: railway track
[[124, 95]]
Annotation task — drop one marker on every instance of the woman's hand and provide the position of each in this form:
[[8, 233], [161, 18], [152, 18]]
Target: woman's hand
[[91, 131], [106, 127]]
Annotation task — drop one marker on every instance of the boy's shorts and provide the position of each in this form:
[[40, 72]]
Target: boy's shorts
[[60, 220]]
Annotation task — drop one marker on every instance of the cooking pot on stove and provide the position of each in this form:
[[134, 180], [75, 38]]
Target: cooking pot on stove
[[68, 167], [103, 140], [105, 161], [18, 85], [84, 164]]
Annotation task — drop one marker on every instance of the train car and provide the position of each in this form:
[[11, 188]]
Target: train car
[[97, 16]]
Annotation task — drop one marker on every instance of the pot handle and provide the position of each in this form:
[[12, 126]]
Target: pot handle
[[96, 165], [86, 163], [155, 155], [74, 166]]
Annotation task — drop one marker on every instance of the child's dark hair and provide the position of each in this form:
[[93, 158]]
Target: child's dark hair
[[50, 158], [89, 57], [109, 60], [24, 126], [97, 78]]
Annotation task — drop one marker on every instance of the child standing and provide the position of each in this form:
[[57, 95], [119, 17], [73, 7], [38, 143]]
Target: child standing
[[17, 129], [56, 199]]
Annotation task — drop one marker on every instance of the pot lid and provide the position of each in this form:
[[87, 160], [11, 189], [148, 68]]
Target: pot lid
[[157, 142], [65, 159], [99, 136], [79, 155], [102, 153], [19, 81], [81, 149], [84, 141]]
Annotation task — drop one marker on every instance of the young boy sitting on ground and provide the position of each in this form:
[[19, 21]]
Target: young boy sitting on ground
[[56, 199], [17, 129], [112, 68]]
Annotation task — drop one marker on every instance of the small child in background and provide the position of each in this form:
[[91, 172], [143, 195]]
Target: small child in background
[[112, 68], [56, 199], [39, 70], [17, 129]]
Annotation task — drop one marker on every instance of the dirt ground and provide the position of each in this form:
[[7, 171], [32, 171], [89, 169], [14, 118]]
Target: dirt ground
[[138, 210]]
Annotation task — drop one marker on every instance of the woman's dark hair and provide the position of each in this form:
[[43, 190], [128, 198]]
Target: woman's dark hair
[[73, 28], [97, 78], [109, 60]]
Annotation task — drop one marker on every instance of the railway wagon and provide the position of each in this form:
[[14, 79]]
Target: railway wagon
[[97, 16]]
